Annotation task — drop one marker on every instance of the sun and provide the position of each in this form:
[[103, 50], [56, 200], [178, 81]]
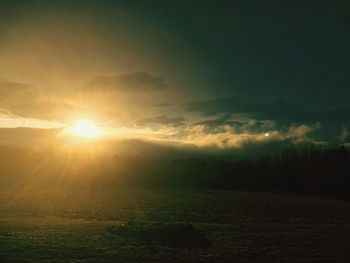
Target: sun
[[86, 129]]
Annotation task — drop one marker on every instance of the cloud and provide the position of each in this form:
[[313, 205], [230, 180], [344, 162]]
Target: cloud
[[29, 101], [214, 106], [227, 136], [11, 92], [162, 105], [275, 110], [130, 82], [46, 102], [12, 85], [11, 120], [344, 135], [235, 104], [240, 123], [163, 120], [300, 133], [41, 108]]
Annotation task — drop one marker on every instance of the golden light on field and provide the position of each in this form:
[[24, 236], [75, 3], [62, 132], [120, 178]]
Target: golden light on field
[[86, 129]]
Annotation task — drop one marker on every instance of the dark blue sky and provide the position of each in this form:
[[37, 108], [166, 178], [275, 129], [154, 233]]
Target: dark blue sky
[[297, 50]]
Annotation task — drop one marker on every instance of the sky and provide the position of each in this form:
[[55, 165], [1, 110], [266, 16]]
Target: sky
[[212, 74]]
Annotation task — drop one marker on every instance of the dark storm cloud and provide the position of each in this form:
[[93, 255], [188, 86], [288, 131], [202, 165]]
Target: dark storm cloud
[[130, 82], [163, 120], [274, 110]]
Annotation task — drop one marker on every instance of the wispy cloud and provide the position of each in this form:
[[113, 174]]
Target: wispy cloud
[[344, 135], [10, 120], [223, 136], [163, 120]]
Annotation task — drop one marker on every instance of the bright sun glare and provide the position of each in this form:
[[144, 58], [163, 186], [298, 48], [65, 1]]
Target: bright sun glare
[[86, 129]]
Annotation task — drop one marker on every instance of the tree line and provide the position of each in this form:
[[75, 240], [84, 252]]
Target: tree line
[[310, 170]]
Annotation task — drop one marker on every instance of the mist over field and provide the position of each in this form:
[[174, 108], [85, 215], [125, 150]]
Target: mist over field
[[51, 162]]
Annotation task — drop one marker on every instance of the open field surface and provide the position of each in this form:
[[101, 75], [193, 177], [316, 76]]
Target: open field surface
[[73, 226]]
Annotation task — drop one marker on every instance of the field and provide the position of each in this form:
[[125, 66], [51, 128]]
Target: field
[[73, 226]]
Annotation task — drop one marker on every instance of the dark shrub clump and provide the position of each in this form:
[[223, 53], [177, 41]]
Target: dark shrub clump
[[183, 235]]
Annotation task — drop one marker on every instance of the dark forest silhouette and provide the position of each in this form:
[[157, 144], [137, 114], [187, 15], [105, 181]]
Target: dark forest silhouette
[[310, 170]]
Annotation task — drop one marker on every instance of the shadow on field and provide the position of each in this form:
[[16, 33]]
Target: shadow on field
[[179, 235]]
